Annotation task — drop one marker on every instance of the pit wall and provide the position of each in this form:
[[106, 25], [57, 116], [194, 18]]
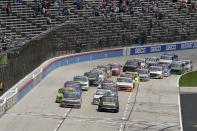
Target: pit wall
[[19, 90]]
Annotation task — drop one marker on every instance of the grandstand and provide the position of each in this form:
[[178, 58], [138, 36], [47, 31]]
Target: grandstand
[[91, 24], [121, 27]]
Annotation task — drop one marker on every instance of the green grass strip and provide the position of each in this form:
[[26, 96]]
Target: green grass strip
[[188, 80]]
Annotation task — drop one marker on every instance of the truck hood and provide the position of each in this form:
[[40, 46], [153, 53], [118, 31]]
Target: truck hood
[[124, 84], [98, 96], [70, 100], [109, 103]]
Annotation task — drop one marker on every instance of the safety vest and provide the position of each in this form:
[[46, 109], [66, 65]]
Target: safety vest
[[137, 80]]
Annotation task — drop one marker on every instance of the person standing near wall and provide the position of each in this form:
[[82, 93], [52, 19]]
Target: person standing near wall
[[1, 85]]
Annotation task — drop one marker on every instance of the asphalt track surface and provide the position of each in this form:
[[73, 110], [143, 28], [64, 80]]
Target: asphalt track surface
[[189, 108], [151, 107]]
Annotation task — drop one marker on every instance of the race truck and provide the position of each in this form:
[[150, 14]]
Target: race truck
[[61, 91], [116, 68], [188, 65], [178, 67], [151, 61], [156, 72], [107, 69], [141, 62], [166, 69], [93, 78], [125, 84], [132, 75], [168, 58], [71, 99], [110, 85], [83, 80], [73, 86], [144, 74], [108, 103], [101, 72], [99, 93], [131, 65]]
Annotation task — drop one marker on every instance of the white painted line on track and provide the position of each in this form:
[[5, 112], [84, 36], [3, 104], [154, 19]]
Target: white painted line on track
[[179, 105], [62, 120], [125, 112]]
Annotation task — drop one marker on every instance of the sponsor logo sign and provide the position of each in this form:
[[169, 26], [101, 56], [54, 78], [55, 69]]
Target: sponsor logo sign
[[163, 48]]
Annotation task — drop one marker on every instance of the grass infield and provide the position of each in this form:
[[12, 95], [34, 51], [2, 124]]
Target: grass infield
[[188, 80]]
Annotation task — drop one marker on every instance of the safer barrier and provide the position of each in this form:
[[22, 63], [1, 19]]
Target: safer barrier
[[18, 91], [2, 106], [12, 99], [13, 95]]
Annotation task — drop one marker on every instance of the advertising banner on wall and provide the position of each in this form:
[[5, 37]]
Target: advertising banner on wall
[[163, 48]]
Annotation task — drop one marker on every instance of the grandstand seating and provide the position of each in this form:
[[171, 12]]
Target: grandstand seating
[[82, 28]]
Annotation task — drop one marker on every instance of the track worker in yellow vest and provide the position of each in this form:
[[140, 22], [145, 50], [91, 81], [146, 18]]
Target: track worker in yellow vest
[[137, 80]]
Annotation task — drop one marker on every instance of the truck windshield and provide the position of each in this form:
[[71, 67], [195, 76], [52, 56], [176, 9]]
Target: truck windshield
[[108, 99], [73, 96], [102, 92], [155, 69], [124, 79], [143, 71], [83, 79]]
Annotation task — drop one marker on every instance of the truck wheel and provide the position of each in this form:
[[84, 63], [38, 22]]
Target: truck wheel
[[116, 110], [79, 107], [99, 109]]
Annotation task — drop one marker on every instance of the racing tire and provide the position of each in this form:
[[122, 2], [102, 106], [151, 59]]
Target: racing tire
[[162, 77], [79, 106], [116, 110], [99, 109]]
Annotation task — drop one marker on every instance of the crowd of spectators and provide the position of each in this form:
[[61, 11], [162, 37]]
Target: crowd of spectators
[[7, 8], [108, 8], [189, 6], [41, 8]]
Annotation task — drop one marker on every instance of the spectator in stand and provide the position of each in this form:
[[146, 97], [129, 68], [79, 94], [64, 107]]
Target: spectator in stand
[[34, 10], [127, 2], [78, 4], [48, 20], [117, 9], [3, 39], [113, 5], [48, 4], [131, 10], [183, 5], [143, 38], [60, 11], [192, 7], [189, 1], [8, 8], [145, 8], [151, 24], [82, 3], [104, 3]]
